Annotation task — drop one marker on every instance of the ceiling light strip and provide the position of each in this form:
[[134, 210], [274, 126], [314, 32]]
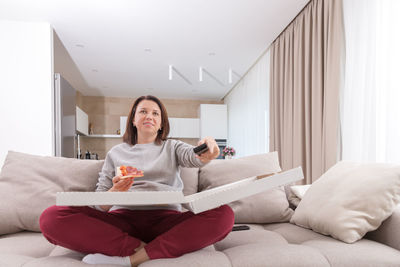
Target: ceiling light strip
[[170, 72], [200, 74], [234, 72], [213, 77], [172, 69]]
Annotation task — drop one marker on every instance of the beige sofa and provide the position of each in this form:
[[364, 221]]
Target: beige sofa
[[28, 184]]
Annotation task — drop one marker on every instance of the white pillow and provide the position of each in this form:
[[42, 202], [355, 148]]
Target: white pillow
[[300, 190], [350, 199], [296, 193]]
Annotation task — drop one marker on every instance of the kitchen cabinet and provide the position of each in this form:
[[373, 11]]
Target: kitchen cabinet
[[213, 121], [122, 124], [82, 121], [184, 128], [179, 127]]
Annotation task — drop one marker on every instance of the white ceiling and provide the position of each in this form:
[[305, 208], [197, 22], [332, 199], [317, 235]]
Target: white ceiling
[[182, 33]]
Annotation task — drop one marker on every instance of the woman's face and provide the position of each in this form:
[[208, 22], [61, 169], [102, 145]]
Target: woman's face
[[147, 118]]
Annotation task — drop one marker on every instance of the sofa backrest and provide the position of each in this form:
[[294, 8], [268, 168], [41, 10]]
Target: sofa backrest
[[388, 233], [29, 183], [190, 178], [267, 207]]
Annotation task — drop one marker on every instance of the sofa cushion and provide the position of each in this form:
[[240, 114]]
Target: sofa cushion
[[365, 253], [339, 254], [25, 243], [295, 234], [52, 261], [59, 251], [8, 260], [267, 207], [28, 185], [350, 199], [286, 255], [190, 179], [242, 248], [238, 238], [202, 257]]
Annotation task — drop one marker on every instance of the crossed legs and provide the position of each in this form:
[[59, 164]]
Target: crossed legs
[[122, 233]]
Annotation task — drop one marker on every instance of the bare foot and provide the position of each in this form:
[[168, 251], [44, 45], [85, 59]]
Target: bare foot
[[141, 246], [140, 256]]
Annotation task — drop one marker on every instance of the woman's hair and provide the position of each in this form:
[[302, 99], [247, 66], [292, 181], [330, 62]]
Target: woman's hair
[[130, 136]]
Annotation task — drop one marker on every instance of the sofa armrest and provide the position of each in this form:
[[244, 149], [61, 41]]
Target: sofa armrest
[[388, 233]]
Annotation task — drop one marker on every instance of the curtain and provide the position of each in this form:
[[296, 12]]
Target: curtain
[[305, 80], [248, 110], [370, 101]]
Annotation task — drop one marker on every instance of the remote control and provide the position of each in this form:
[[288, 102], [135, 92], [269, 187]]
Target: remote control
[[200, 149], [240, 228]]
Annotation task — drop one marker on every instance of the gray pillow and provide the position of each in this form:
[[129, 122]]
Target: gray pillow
[[267, 207], [28, 185]]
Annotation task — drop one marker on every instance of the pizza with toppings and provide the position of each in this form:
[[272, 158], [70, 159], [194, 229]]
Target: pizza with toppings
[[128, 171]]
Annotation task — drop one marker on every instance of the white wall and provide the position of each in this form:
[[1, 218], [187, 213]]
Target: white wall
[[26, 86], [248, 111]]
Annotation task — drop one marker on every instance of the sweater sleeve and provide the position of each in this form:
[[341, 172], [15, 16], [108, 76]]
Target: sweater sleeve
[[186, 156], [106, 175]]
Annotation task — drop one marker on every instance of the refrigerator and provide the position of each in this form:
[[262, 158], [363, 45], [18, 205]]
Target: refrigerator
[[64, 118]]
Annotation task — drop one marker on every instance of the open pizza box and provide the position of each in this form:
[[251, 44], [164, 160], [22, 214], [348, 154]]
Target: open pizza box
[[196, 203]]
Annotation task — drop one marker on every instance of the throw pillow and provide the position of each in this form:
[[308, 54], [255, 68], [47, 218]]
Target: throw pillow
[[28, 185], [190, 179], [350, 199], [267, 207], [296, 193]]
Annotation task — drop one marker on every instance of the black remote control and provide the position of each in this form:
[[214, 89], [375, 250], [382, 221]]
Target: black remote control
[[200, 149], [240, 228]]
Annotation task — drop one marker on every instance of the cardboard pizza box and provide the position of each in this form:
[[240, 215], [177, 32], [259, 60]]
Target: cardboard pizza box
[[196, 203]]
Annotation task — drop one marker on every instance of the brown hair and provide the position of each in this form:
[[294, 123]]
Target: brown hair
[[130, 136]]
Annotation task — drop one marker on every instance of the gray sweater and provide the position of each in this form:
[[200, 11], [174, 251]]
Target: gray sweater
[[158, 162]]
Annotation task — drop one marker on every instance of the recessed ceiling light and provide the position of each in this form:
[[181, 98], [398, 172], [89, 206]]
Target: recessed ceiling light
[[211, 54], [80, 45], [94, 70], [147, 50]]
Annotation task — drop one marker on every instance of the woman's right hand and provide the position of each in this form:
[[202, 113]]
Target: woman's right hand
[[121, 185]]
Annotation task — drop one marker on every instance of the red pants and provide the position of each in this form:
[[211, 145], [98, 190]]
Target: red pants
[[168, 233]]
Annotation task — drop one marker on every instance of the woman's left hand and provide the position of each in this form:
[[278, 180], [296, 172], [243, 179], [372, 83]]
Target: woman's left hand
[[211, 153]]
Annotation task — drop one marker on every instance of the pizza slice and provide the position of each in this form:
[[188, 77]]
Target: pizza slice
[[128, 171]]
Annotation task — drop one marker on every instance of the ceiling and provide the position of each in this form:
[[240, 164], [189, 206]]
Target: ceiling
[[124, 48]]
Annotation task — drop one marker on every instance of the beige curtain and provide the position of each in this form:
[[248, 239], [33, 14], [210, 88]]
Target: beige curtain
[[305, 79]]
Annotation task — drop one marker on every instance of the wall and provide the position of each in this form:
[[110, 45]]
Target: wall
[[104, 115], [26, 82], [64, 65], [79, 100]]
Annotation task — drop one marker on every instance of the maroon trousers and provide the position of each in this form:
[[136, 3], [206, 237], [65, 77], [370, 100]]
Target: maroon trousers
[[168, 233]]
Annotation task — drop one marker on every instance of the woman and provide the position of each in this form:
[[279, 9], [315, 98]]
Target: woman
[[130, 235]]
